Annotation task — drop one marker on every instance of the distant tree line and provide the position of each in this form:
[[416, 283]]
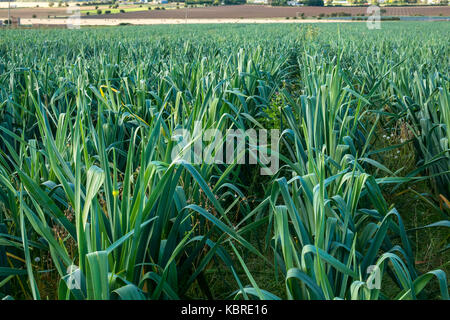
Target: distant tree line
[[94, 3], [212, 2], [317, 3], [190, 2]]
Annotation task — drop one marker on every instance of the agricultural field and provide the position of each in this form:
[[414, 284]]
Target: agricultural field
[[259, 12], [348, 197], [174, 11]]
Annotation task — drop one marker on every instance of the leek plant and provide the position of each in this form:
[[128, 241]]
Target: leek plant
[[329, 217], [93, 205]]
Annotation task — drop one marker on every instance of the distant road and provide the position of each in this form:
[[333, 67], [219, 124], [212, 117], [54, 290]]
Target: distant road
[[114, 22], [25, 4]]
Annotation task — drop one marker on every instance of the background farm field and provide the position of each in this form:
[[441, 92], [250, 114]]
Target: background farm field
[[172, 11], [93, 205], [260, 12]]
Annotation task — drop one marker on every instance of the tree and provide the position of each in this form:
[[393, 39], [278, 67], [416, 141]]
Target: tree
[[279, 3], [316, 3], [234, 1]]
